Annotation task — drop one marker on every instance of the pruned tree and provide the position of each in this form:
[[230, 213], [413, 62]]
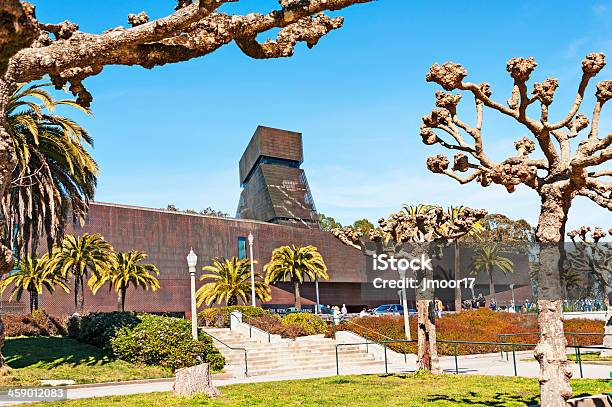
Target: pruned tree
[[31, 49], [416, 230], [562, 173], [592, 257]]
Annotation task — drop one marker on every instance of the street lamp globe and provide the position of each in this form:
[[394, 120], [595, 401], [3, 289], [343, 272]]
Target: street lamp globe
[[192, 259], [250, 237]]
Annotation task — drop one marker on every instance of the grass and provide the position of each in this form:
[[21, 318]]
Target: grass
[[592, 358], [38, 358], [366, 391]]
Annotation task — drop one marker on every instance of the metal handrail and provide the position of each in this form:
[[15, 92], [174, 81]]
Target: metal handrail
[[246, 364], [455, 354], [250, 327]]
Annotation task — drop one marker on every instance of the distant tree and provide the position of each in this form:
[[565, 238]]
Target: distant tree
[[32, 275], [295, 263], [211, 212], [487, 258], [208, 211], [412, 232], [228, 281], [365, 225], [327, 223], [127, 271], [81, 256], [593, 257]]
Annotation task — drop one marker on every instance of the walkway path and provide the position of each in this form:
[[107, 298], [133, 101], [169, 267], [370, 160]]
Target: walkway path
[[475, 364]]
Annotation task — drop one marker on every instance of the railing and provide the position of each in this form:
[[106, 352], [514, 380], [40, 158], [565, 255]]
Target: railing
[[251, 327], [513, 346], [246, 363]]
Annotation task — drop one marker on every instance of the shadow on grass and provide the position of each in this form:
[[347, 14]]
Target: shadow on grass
[[49, 352], [499, 400]]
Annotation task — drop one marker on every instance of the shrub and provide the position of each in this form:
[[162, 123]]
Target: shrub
[[39, 323], [163, 341], [220, 317], [74, 326], [288, 330], [312, 324], [97, 328]]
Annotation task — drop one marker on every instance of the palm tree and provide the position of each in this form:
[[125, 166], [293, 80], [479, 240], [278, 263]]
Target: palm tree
[[454, 212], [127, 271], [229, 280], [32, 275], [293, 263], [54, 173], [79, 256], [486, 259]]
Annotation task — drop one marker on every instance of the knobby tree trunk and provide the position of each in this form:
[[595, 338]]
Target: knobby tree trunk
[[555, 371], [457, 266], [427, 354], [298, 298], [233, 300]]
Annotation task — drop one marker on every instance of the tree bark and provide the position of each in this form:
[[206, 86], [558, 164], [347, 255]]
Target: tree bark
[[194, 380], [427, 354], [33, 300], [123, 293], [79, 294], [298, 298], [555, 372], [427, 350], [457, 267], [491, 285]]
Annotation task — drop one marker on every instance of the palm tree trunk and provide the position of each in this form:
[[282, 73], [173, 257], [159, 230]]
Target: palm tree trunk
[[7, 163], [491, 285], [233, 300], [123, 292], [457, 266], [33, 301], [298, 298], [79, 295]]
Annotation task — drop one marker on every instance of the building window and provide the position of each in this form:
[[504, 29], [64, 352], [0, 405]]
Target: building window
[[242, 251]]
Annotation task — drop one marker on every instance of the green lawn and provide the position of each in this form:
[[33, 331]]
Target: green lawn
[[372, 390], [35, 359], [592, 358]]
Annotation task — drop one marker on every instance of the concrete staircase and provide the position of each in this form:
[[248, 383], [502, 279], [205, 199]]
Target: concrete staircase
[[284, 357]]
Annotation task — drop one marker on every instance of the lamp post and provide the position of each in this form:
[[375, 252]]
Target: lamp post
[[253, 300], [402, 274], [512, 291], [192, 260]]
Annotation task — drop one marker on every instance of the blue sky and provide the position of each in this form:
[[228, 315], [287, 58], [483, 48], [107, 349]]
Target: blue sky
[[175, 134]]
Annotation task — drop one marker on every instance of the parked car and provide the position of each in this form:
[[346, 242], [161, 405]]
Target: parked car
[[389, 309]]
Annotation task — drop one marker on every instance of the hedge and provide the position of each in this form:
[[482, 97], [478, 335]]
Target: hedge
[[164, 341], [480, 325], [312, 324], [97, 328], [220, 317], [39, 323]]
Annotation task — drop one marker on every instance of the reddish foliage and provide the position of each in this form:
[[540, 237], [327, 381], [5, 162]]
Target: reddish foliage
[[481, 325], [37, 324]]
